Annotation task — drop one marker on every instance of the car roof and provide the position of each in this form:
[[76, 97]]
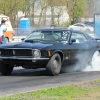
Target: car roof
[[50, 29], [62, 29], [79, 23], [56, 29]]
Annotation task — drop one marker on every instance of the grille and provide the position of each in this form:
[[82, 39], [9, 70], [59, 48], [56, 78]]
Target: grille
[[43, 53], [16, 52], [6, 52]]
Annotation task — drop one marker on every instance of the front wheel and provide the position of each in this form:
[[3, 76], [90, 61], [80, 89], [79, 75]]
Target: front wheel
[[5, 69], [54, 65]]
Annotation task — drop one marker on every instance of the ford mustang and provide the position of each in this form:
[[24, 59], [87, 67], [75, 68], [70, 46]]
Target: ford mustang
[[48, 48]]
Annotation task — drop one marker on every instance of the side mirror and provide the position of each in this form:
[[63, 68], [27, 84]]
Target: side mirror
[[72, 40]]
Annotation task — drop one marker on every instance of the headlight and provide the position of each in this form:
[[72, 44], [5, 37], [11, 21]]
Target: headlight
[[36, 53]]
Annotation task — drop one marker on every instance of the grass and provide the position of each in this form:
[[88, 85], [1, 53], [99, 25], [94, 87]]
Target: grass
[[72, 92], [97, 81]]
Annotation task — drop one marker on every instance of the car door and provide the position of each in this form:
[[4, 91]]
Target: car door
[[79, 49]]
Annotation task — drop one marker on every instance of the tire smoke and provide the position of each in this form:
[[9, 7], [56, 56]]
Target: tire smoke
[[94, 65]]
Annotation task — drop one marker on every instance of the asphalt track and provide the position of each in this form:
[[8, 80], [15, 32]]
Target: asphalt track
[[25, 80]]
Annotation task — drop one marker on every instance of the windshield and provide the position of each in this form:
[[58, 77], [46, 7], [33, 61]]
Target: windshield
[[87, 25], [48, 36]]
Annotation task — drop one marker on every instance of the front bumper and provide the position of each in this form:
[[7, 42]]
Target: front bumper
[[23, 60]]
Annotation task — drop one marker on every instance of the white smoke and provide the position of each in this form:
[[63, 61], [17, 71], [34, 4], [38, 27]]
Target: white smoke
[[94, 65]]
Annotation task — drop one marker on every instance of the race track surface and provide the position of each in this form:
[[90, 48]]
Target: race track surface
[[25, 80]]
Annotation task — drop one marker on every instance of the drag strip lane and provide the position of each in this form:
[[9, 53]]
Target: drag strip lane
[[24, 80]]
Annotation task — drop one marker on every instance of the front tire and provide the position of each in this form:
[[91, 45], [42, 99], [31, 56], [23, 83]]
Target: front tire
[[5, 69], [54, 65]]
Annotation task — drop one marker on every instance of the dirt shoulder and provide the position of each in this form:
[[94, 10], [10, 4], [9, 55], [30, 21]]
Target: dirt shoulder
[[92, 95]]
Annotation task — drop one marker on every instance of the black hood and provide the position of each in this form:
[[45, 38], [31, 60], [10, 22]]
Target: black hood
[[36, 45]]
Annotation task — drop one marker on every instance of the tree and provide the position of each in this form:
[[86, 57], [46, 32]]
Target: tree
[[76, 9], [92, 7]]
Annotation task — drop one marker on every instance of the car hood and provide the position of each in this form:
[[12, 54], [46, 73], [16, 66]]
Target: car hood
[[37, 45]]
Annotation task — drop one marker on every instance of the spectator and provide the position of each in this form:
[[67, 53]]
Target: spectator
[[52, 25], [2, 31]]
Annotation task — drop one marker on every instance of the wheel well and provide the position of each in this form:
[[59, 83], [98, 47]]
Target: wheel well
[[61, 55]]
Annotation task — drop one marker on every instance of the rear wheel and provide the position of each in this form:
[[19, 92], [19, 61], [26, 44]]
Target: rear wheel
[[5, 69], [54, 65]]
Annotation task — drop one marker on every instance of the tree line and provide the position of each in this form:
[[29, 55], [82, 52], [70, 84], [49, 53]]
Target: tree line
[[76, 9]]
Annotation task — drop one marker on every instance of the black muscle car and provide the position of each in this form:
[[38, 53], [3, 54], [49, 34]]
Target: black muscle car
[[48, 48]]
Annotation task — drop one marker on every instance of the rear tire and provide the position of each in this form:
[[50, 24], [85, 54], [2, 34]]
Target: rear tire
[[6, 69], [54, 65]]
